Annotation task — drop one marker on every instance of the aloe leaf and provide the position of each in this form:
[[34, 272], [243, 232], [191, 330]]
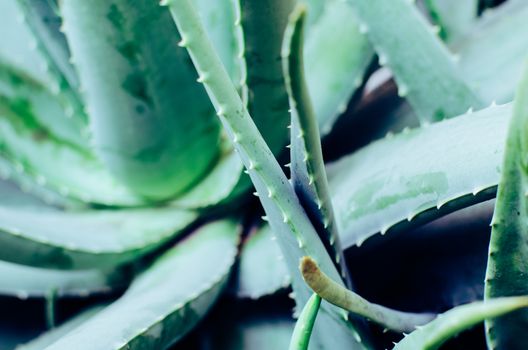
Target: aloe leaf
[[168, 299], [331, 91], [21, 52], [44, 22], [228, 170], [12, 195], [260, 59], [263, 23], [295, 233], [261, 269], [446, 325], [27, 282], [219, 19], [425, 71], [508, 252], [341, 47], [171, 138], [224, 181], [376, 190], [338, 295], [87, 239], [454, 17], [308, 174], [56, 333], [326, 86], [304, 326], [493, 51], [29, 185], [315, 8], [95, 185], [26, 97], [18, 45], [204, 194], [51, 157]]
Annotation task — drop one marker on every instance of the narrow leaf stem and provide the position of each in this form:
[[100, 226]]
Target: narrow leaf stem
[[304, 326], [340, 296]]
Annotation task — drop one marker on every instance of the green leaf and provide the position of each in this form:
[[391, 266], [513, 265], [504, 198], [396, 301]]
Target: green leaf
[[19, 47], [54, 157], [44, 236], [13, 195], [56, 333], [263, 23], [45, 23], [208, 192], [152, 124], [308, 174], [508, 250], [425, 71], [22, 54], [377, 189], [226, 182], [27, 98], [219, 19], [338, 295], [454, 17], [434, 334], [168, 299], [334, 40], [315, 10], [499, 31], [28, 282], [295, 233], [223, 183], [261, 269], [303, 328]]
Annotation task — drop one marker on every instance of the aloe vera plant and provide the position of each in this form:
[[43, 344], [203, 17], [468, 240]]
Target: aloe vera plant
[[163, 166]]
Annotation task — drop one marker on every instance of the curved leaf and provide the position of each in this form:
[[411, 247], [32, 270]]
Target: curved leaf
[[308, 175], [377, 189], [225, 181], [44, 237], [261, 270], [219, 19], [56, 333], [49, 157], [165, 301], [21, 51], [454, 17], [263, 23], [434, 334], [336, 294], [334, 41], [508, 250], [27, 282], [19, 47], [303, 328], [425, 72], [152, 124], [29, 99], [45, 23], [493, 51], [288, 220]]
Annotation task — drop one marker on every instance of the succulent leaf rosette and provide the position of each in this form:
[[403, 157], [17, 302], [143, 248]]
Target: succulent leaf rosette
[[264, 174]]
